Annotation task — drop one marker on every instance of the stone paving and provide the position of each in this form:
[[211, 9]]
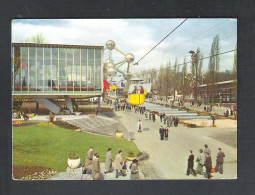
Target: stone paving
[[75, 174], [216, 109], [169, 158]]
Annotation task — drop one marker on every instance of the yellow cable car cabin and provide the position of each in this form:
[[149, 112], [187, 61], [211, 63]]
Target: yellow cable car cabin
[[135, 98]]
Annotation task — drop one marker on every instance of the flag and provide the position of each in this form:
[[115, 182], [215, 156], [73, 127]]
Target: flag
[[194, 77], [106, 86], [186, 77]]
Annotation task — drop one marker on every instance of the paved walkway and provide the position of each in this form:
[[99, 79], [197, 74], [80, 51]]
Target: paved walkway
[[216, 109], [75, 174], [169, 158]]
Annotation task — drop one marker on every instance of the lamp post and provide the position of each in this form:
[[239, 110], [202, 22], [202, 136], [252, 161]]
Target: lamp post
[[194, 60]]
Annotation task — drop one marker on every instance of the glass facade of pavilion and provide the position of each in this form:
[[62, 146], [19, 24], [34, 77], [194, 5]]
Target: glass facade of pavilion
[[56, 69]]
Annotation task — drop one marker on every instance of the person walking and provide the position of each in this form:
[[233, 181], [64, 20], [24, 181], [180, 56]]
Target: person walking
[[207, 149], [191, 164], [146, 116], [166, 133], [208, 165], [96, 174], [168, 121], [161, 132], [213, 119], [219, 161], [165, 119], [150, 116], [161, 116], [134, 170], [139, 126], [153, 117], [200, 162], [176, 121], [171, 120], [108, 161], [118, 163], [88, 161]]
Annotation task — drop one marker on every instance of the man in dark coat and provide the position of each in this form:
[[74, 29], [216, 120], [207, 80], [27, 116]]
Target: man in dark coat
[[166, 133], [176, 121], [208, 165], [219, 161], [191, 164], [161, 132], [153, 117]]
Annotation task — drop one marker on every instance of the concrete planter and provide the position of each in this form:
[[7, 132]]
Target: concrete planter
[[74, 163], [59, 119], [129, 158], [119, 135]]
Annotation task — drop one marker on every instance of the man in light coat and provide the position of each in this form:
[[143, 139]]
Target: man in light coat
[[108, 161], [207, 149], [219, 161], [139, 126], [96, 174], [200, 162], [118, 163], [88, 160]]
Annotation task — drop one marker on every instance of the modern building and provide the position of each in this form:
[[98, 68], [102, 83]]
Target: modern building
[[52, 71]]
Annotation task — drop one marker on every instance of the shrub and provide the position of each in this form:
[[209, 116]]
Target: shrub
[[66, 125], [131, 154], [73, 156]]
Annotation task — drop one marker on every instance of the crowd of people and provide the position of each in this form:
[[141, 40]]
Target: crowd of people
[[204, 159], [231, 112], [92, 165]]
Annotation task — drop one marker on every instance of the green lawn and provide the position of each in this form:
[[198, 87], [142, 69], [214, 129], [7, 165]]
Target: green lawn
[[49, 146]]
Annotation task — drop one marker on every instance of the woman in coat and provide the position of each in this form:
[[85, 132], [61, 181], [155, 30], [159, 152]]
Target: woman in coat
[[134, 170], [96, 173]]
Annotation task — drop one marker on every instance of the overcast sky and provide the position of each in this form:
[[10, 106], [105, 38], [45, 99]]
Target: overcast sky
[[138, 36]]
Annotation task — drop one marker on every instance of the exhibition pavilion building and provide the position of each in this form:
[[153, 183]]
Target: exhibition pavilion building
[[50, 71]]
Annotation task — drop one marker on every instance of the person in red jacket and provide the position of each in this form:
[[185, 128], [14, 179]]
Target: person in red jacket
[[141, 90]]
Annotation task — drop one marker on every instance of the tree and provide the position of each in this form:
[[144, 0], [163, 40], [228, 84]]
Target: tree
[[176, 70], [235, 65], [168, 79], [37, 38], [234, 72], [214, 66], [160, 81], [184, 80]]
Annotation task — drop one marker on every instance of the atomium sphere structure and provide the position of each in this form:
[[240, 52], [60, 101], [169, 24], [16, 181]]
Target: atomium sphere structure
[[130, 58], [110, 45], [128, 76], [109, 61], [109, 65]]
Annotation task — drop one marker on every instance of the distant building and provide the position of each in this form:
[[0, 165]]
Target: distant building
[[149, 76], [225, 92]]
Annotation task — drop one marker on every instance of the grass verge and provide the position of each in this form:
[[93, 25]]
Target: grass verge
[[48, 146]]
